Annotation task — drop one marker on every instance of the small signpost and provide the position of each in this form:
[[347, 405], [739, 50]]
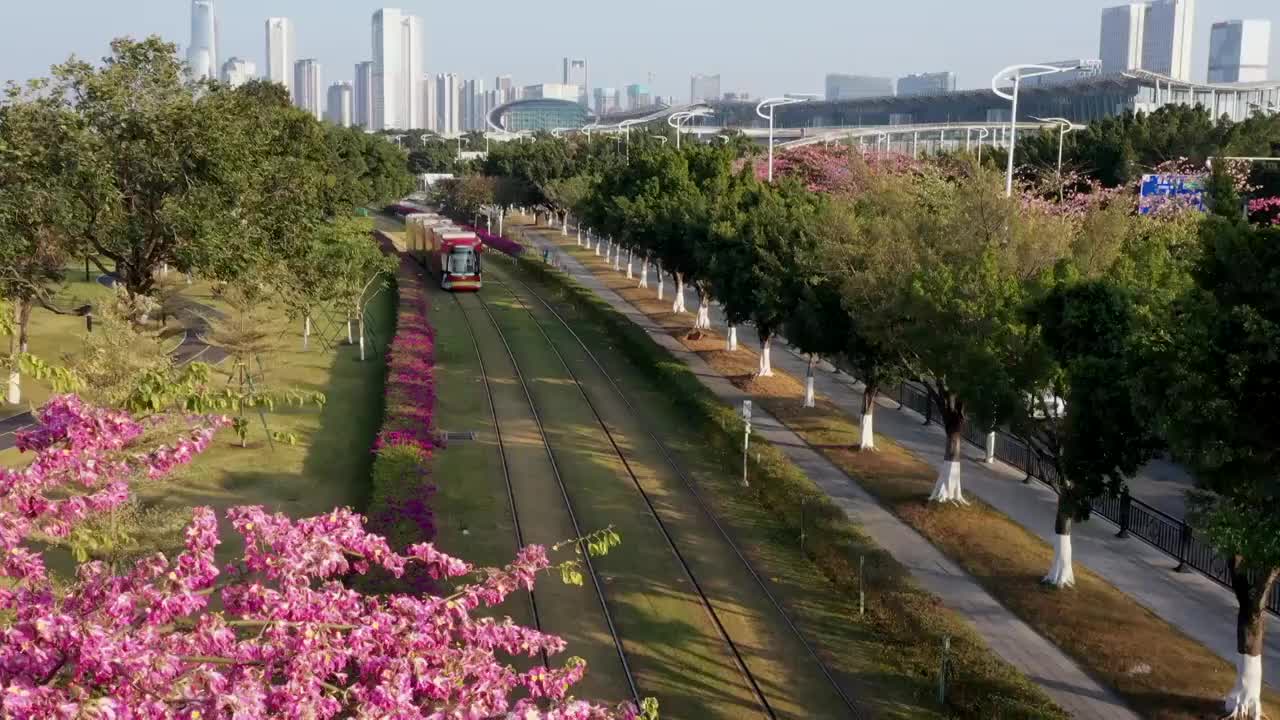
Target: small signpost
[[1158, 189], [746, 439]]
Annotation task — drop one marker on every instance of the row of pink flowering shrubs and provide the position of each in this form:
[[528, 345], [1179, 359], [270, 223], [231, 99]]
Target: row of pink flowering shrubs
[[400, 504], [497, 242]]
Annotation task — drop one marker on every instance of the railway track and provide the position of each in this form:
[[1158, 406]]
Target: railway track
[[555, 468], [854, 710]]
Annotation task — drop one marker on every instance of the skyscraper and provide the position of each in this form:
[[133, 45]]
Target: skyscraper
[[704, 88], [362, 95], [447, 103], [238, 71], [202, 53], [280, 51], [1239, 51], [307, 86], [1120, 45], [505, 87], [430, 107], [606, 100], [338, 109], [935, 83], [398, 66], [1166, 38], [575, 73], [638, 96]]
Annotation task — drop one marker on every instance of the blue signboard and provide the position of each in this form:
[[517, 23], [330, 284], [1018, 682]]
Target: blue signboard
[[1158, 189]]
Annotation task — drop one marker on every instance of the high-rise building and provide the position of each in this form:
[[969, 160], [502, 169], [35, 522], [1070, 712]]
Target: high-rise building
[[473, 110], [1239, 51], [430, 117], [505, 87], [238, 71], [447, 103], [575, 73], [638, 96], [557, 91], [202, 53], [398, 64], [1166, 39], [606, 100], [307, 85], [362, 95], [853, 87], [1120, 45], [934, 83], [704, 88], [338, 109], [280, 51]]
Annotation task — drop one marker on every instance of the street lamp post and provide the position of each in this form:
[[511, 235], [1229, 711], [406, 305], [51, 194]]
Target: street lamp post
[[1064, 126], [677, 119], [772, 104], [1018, 72]]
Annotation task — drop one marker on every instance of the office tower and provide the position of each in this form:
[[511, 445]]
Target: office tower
[[704, 88], [1078, 69], [306, 85], [606, 100], [1166, 38], [557, 91], [280, 51], [852, 87], [1120, 45], [238, 71], [398, 55], [475, 96], [447, 103], [430, 111], [505, 87], [638, 96], [575, 73], [202, 53], [935, 83], [362, 100], [1239, 51], [338, 109]]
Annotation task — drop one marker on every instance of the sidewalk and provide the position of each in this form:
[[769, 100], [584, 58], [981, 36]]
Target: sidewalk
[[1193, 603], [1069, 686]]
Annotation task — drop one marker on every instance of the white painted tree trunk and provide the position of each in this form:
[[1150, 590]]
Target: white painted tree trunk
[[1061, 574], [597, 248], [630, 260], [868, 432], [678, 305], [991, 448], [351, 338], [947, 490], [704, 313], [731, 342], [14, 394], [662, 280], [361, 321], [617, 260], [766, 359], [306, 332], [1245, 700], [644, 273], [564, 226], [579, 235]]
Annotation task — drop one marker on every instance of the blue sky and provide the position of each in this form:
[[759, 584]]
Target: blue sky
[[756, 46]]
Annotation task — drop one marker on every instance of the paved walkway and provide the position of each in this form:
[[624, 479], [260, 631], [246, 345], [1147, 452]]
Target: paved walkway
[[1198, 606], [1011, 638]]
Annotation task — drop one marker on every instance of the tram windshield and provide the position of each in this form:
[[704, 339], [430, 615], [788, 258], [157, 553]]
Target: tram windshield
[[463, 261]]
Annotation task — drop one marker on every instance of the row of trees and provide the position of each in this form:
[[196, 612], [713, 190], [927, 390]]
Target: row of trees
[[128, 167], [1099, 335]]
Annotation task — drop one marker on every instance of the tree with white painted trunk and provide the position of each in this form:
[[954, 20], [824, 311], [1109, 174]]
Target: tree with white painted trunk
[[1209, 376]]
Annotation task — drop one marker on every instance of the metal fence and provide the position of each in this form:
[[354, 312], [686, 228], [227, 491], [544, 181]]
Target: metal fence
[[1134, 517]]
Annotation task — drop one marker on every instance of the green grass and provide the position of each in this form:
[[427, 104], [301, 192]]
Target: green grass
[[891, 653]]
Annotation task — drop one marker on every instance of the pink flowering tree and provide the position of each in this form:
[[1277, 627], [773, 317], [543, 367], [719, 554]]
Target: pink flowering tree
[[278, 633], [1265, 211], [835, 169]]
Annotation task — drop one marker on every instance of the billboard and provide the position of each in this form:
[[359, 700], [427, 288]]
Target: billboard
[[1159, 189]]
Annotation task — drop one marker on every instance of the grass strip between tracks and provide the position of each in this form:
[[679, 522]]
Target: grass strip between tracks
[[899, 639]]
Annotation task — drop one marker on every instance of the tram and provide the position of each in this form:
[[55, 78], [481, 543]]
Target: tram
[[449, 253]]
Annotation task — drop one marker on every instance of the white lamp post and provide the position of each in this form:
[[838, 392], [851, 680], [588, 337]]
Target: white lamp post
[[771, 104], [1064, 126], [663, 138], [677, 119], [625, 127], [1017, 73]]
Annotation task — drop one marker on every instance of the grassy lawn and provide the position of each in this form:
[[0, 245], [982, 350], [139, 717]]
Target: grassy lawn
[[888, 657], [1160, 671]]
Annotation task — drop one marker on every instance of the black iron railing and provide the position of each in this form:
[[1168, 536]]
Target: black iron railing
[[1166, 533]]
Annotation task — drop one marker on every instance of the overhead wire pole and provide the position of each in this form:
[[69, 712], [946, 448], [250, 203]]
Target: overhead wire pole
[[772, 104]]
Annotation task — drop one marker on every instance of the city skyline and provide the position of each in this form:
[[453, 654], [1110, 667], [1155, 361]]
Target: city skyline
[[530, 43]]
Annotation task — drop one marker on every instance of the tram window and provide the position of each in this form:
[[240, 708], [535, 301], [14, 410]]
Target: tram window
[[463, 262]]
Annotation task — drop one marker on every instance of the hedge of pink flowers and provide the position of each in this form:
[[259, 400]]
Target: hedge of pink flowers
[[279, 633], [497, 242], [1265, 211], [400, 507]]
